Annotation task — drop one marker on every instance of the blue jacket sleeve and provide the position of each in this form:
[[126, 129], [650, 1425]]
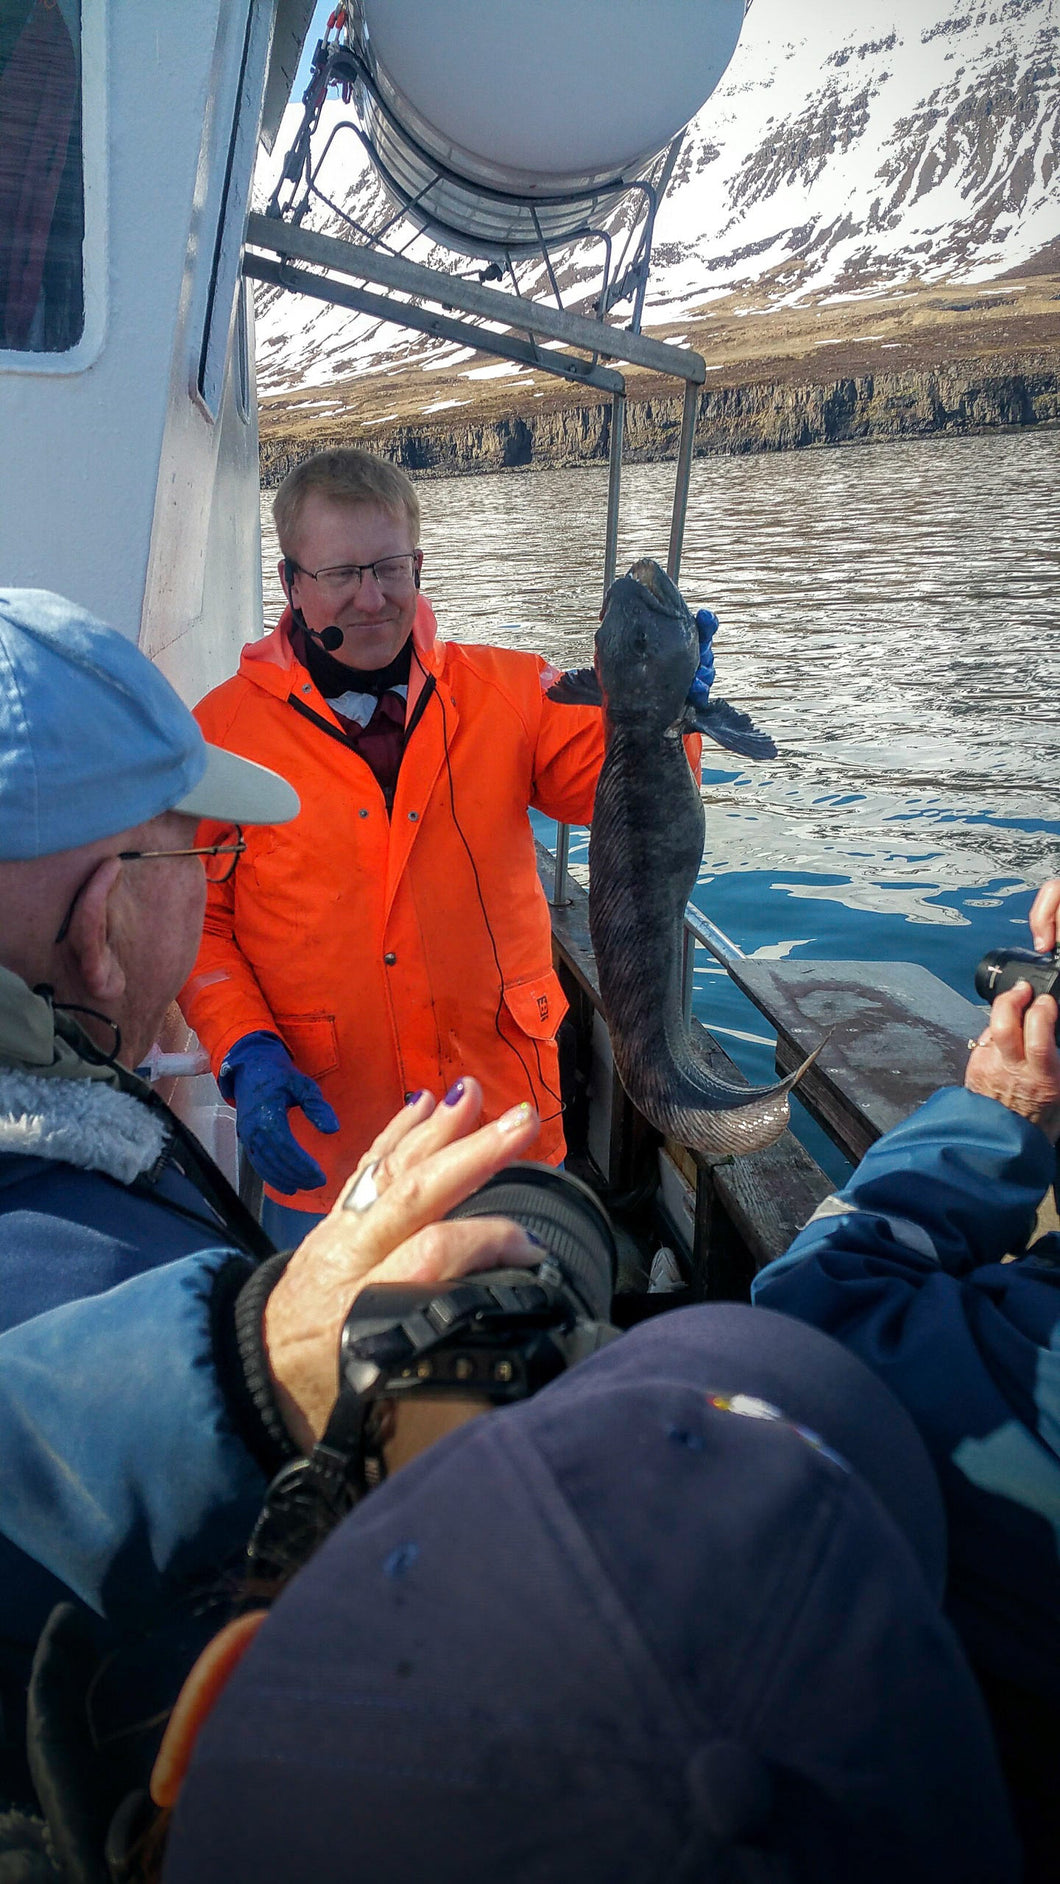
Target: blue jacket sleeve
[[905, 1266], [955, 1185], [121, 1469]]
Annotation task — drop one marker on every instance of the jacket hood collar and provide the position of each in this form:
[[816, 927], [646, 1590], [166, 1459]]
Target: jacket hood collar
[[271, 662], [86, 1125], [30, 1042]]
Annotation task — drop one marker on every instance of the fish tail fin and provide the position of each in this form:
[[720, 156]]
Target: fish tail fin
[[766, 1108], [791, 1080]]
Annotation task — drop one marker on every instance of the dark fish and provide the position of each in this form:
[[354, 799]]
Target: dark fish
[[645, 849]]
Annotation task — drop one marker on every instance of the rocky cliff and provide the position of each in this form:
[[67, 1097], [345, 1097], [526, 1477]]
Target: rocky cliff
[[972, 396]]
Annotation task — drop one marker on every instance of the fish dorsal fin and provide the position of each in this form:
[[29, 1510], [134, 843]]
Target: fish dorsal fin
[[730, 727], [578, 687]]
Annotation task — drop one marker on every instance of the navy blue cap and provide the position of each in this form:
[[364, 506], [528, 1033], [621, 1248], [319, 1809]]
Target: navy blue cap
[[645, 1626], [94, 740]]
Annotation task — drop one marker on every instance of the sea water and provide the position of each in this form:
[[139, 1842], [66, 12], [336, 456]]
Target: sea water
[[889, 612]]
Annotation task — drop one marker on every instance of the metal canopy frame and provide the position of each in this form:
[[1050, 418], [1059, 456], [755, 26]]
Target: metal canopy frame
[[305, 261], [450, 307]]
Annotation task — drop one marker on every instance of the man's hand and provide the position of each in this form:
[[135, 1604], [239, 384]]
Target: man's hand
[[703, 678], [427, 1159], [1045, 912], [263, 1082], [1015, 1058]]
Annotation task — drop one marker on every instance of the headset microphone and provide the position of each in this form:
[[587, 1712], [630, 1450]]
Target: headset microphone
[[329, 638]]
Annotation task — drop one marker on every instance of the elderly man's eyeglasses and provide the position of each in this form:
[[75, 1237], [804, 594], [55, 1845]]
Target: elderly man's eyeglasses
[[219, 861], [391, 572]]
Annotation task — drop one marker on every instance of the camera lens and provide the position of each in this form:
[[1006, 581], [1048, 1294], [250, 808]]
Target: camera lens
[[1000, 970], [566, 1218]]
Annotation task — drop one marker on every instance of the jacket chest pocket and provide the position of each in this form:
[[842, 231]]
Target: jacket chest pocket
[[311, 1041], [537, 1004]]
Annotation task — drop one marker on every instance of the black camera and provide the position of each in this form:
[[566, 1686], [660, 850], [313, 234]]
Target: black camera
[[489, 1338], [1000, 969], [502, 1333]]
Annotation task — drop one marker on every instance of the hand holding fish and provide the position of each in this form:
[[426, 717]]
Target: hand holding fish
[[703, 678]]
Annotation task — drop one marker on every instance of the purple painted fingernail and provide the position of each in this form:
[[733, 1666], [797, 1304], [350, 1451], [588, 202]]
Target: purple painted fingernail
[[412, 1097], [455, 1094], [535, 1240]]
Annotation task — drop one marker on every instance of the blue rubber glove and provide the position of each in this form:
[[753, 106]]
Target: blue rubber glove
[[703, 678], [262, 1081]]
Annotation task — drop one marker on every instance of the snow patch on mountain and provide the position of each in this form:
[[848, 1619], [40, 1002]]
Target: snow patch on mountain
[[835, 160]]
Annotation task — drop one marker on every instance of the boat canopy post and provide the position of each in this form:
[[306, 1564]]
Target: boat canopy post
[[688, 969], [614, 486], [559, 898], [684, 473]]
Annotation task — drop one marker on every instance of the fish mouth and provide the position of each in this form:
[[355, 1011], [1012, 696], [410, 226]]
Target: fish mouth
[[648, 573]]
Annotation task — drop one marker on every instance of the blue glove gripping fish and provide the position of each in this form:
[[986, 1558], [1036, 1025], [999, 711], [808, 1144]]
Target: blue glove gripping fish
[[645, 850], [716, 719], [703, 678]]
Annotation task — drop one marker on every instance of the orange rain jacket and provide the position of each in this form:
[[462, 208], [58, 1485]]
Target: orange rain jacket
[[394, 954]]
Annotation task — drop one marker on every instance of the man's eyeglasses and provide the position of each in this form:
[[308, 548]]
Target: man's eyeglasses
[[219, 861], [391, 572]]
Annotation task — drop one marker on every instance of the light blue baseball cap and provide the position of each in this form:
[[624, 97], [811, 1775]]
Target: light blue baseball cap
[[94, 740]]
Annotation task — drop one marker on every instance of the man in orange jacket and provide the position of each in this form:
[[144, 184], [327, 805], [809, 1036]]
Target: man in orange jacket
[[395, 932]]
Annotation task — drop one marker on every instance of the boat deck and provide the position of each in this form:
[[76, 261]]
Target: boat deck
[[894, 1032]]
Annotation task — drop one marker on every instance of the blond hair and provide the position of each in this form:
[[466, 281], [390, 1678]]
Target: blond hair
[[346, 476]]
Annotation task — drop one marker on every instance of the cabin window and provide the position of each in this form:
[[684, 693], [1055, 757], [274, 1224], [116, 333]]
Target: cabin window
[[42, 194]]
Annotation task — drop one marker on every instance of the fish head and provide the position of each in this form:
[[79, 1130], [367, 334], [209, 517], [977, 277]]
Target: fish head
[[647, 648]]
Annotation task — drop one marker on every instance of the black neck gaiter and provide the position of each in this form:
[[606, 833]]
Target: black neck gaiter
[[334, 678]]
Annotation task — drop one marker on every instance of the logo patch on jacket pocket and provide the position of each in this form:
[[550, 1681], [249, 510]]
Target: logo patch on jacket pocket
[[542, 1006]]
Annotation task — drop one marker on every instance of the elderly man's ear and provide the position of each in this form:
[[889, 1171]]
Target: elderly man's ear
[[95, 932]]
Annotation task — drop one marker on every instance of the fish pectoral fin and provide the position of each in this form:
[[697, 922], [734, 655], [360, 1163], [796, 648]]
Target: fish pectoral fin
[[730, 727], [578, 687]]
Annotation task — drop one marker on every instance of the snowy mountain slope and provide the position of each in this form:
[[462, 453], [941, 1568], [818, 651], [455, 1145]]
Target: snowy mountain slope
[[919, 143]]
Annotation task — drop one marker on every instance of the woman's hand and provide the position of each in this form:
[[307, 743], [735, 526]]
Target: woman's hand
[[1044, 913], [429, 1158], [1016, 1060]]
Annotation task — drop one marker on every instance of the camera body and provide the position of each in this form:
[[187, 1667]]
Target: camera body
[[1000, 969], [497, 1336], [485, 1340]]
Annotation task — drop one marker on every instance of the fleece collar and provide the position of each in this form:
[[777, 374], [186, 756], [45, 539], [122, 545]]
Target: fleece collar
[[29, 1041], [80, 1122], [54, 1104]]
